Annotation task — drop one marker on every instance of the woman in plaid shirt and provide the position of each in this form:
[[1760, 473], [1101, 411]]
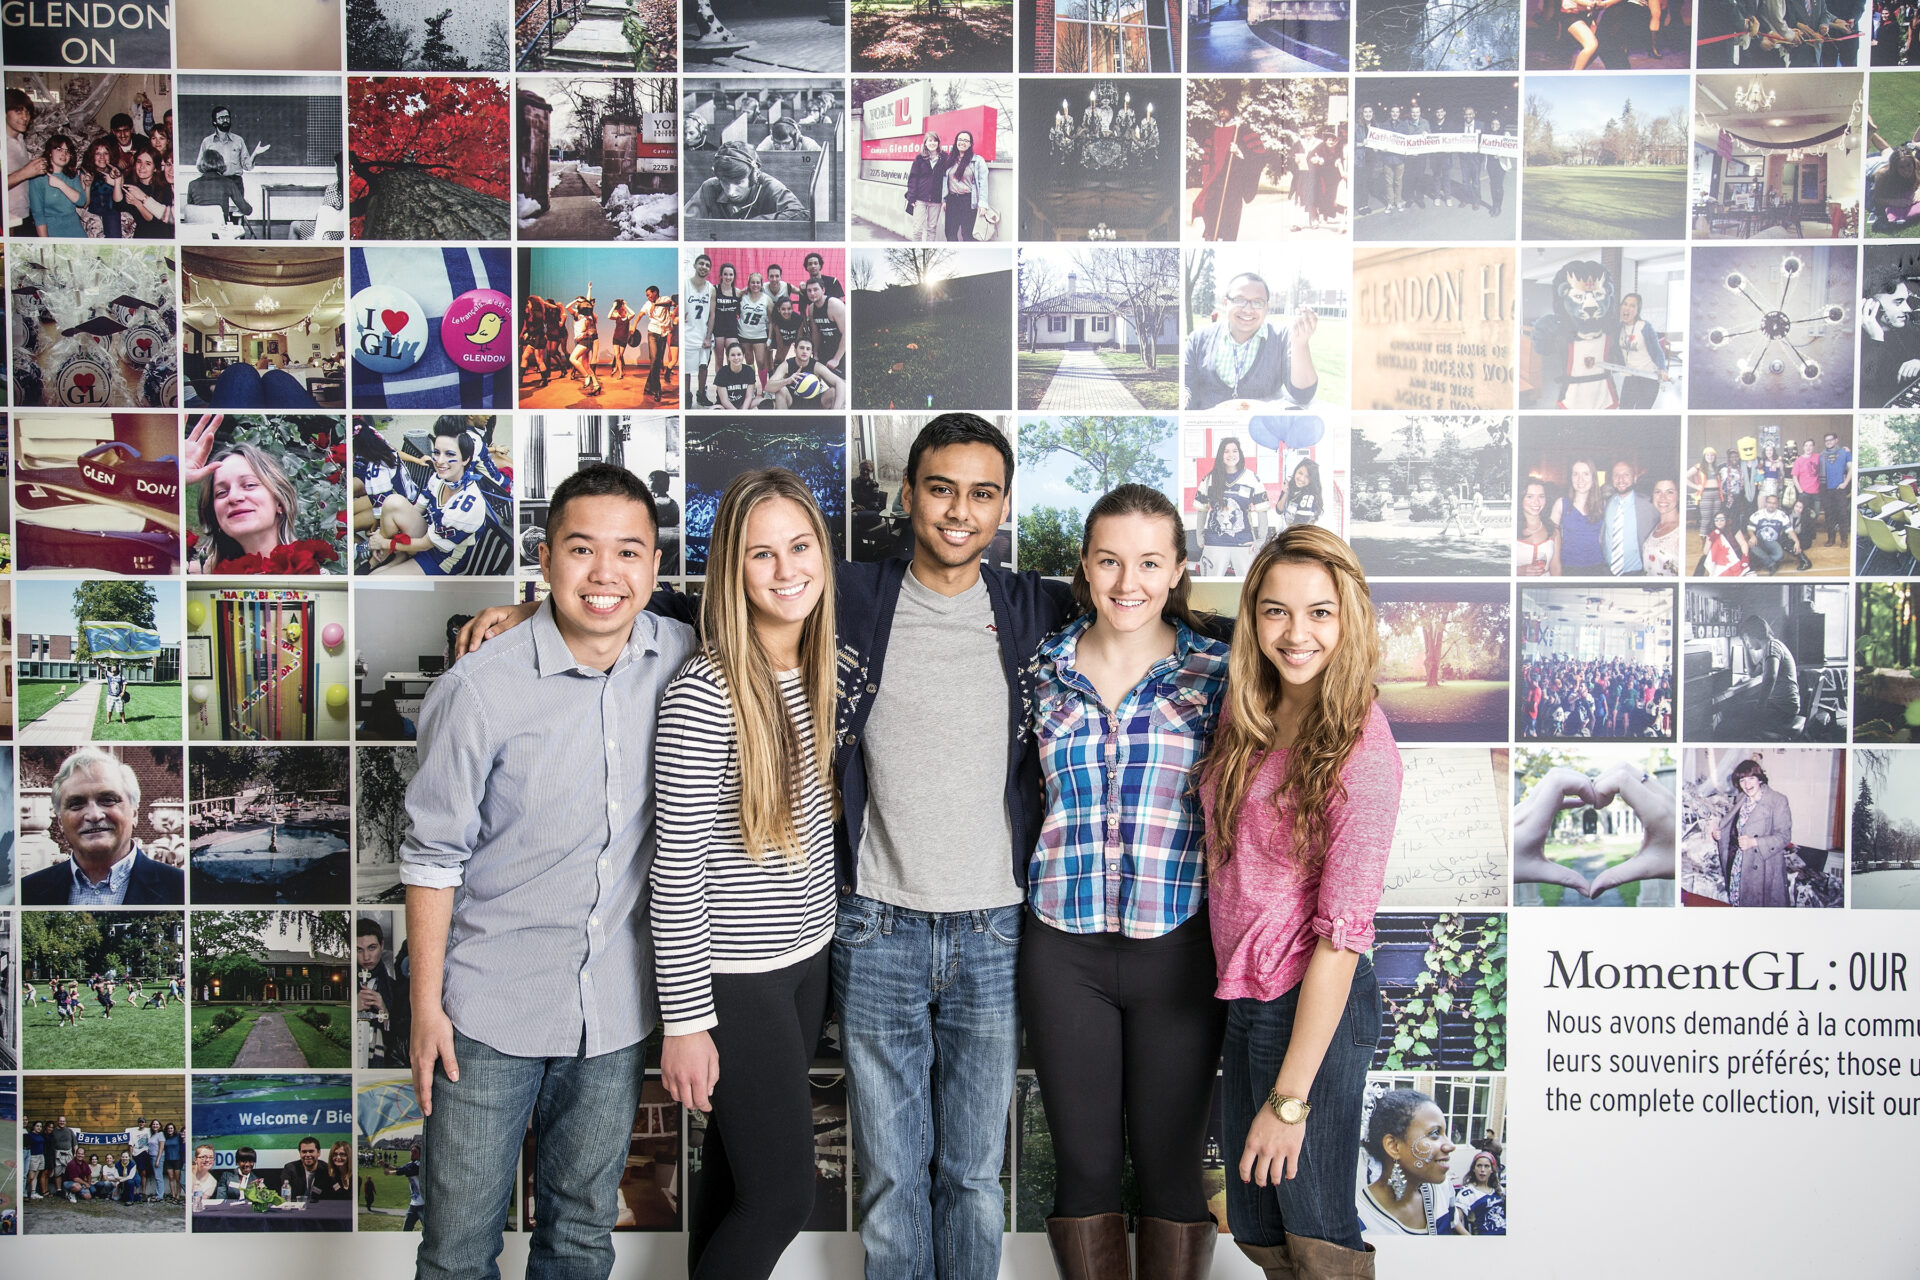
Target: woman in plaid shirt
[[1116, 970]]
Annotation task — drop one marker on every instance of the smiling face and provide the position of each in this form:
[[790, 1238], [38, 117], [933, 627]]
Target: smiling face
[[242, 503], [1246, 306], [1580, 475], [1131, 566], [96, 814], [956, 502], [1230, 456], [1424, 1149], [1666, 498], [784, 564], [601, 559], [1622, 477], [1534, 500], [1629, 309], [1750, 784], [143, 167], [1297, 621], [202, 1161], [310, 1155], [447, 462]]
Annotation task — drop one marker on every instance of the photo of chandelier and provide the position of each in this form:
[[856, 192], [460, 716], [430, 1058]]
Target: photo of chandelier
[[1775, 326]]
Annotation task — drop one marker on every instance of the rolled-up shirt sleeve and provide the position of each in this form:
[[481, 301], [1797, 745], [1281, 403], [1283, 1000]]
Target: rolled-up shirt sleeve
[[444, 799], [1361, 838]]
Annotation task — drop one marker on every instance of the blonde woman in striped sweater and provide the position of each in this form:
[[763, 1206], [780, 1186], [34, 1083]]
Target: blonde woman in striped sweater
[[743, 883]]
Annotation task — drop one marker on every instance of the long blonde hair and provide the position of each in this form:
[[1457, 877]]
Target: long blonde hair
[[768, 744], [1329, 730]]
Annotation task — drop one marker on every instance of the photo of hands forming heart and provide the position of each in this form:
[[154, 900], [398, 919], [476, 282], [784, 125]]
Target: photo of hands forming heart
[[1594, 827]]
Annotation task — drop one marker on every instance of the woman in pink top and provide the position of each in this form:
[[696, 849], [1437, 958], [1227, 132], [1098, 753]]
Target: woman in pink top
[[1300, 790]]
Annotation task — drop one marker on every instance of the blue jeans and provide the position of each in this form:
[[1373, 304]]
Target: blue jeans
[[931, 1030], [582, 1111], [1319, 1200]]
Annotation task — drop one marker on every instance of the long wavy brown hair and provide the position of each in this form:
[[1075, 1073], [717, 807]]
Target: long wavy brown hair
[[1329, 730]]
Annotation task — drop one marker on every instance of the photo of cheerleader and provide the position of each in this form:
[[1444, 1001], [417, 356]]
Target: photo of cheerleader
[[433, 496]]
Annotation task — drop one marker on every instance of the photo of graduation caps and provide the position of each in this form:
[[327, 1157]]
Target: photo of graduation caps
[[1264, 36], [1295, 310], [428, 158], [1420, 955], [1433, 1151], [227, 35], [590, 321], [1243, 480], [98, 492], [1068, 463], [1886, 532], [1763, 827], [427, 35], [1267, 159], [260, 159], [555, 445], [433, 496], [718, 448], [1432, 494], [1889, 330], [101, 1111], [107, 141], [1439, 157], [1605, 327], [1766, 663], [1778, 157], [1593, 826], [935, 326], [1770, 476], [99, 661], [1445, 35], [877, 512], [1444, 671], [598, 158], [1611, 494], [1434, 328], [737, 36], [94, 326], [1636, 36], [268, 825], [903, 190], [1606, 157], [403, 641], [1094, 162], [431, 328], [107, 991], [1886, 653], [1450, 839], [264, 1130], [267, 664], [1098, 328], [1601, 660], [271, 990], [383, 1004], [1884, 804], [764, 159], [263, 328], [381, 777], [1770, 328]]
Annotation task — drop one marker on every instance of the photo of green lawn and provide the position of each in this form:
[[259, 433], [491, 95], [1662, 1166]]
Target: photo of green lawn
[[79, 949], [136, 1036], [228, 1028], [1619, 202], [1893, 104]]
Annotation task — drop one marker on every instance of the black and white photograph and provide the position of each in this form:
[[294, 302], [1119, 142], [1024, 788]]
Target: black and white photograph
[[1763, 827], [1605, 328], [1769, 495], [260, 159], [1096, 163], [596, 158], [428, 35], [936, 159], [1611, 494], [1884, 809], [764, 159], [1435, 157], [1771, 328], [738, 36], [1886, 535], [268, 825], [1432, 494], [1444, 670], [555, 445], [1777, 155], [937, 324], [1889, 330], [1766, 663], [1596, 662], [1267, 159], [880, 527], [1099, 329], [381, 777]]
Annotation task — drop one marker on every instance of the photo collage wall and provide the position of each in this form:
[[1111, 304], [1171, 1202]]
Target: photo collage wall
[[1592, 331]]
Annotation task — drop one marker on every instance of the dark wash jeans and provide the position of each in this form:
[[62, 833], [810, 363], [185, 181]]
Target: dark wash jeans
[[582, 1111], [1318, 1201], [931, 1032]]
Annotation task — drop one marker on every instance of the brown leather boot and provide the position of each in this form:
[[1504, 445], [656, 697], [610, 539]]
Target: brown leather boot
[[1175, 1250], [1270, 1258], [1324, 1260], [1090, 1248]]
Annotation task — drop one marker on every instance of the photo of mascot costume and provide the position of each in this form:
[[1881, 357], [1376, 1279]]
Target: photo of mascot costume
[[1577, 342]]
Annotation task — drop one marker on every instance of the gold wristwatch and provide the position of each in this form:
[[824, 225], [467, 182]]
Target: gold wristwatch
[[1290, 1110]]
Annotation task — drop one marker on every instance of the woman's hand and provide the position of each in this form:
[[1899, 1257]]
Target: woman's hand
[[1272, 1151], [1749, 842], [490, 622], [690, 1068], [194, 466]]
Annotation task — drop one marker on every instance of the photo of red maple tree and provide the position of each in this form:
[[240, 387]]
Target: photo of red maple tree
[[428, 158]]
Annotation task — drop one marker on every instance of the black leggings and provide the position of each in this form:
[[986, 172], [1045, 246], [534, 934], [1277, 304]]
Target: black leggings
[[744, 1216], [1125, 1035]]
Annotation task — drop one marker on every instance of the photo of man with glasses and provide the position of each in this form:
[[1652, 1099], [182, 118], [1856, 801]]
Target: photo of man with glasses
[[1243, 361]]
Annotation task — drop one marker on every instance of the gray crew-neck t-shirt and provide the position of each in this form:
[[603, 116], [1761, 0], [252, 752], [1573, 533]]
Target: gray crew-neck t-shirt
[[936, 834]]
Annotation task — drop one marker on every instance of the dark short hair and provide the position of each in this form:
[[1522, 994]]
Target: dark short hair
[[600, 480], [121, 120], [368, 928], [958, 428], [658, 481], [1749, 769], [17, 100], [1254, 276], [1754, 628], [247, 1154], [811, 256], [304, 1141], [217, 112]]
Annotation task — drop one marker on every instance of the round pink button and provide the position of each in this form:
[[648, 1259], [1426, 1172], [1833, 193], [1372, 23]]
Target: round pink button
[[477, 331]]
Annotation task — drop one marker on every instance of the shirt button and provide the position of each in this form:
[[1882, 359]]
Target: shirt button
[[612, 745], [603, 864], [593, 922], [613, 804]]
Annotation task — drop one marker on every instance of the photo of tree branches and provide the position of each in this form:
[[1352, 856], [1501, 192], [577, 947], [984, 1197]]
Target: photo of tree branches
[[1437, 35]]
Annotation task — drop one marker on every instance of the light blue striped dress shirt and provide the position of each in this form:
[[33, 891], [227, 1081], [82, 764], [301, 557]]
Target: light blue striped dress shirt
[[534, 803]]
